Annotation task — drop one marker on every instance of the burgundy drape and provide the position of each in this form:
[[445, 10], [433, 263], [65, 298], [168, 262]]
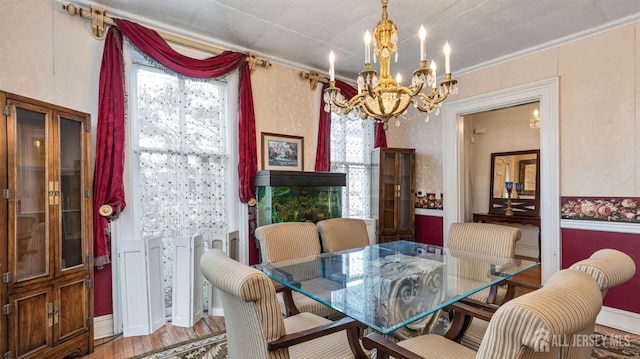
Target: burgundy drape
[[108, 187], [111, 114], [323, 150], [248, 162], [381, 136]]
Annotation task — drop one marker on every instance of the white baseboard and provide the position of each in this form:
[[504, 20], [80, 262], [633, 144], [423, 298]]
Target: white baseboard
[[527, 250], [619, 319], [103, 326], [217, 312]]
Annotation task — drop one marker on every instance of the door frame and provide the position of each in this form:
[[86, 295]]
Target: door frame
[[546, 92]]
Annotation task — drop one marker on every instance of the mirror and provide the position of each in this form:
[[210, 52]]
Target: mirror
[[516, 172]]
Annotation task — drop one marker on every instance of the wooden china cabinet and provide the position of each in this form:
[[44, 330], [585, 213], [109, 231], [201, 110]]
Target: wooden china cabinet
[[46, 236], [392, 193]]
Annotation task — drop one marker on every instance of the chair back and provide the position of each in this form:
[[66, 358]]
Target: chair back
[[609, 267], [251, 311], [484, 238], [338, 234], [535, 325], [287, 240], [470, 242]]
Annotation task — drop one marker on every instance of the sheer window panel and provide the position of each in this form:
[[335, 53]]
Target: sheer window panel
[[180, 149], [351, 146]]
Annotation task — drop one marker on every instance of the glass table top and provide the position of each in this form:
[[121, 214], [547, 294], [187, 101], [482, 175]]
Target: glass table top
[[387, 286]]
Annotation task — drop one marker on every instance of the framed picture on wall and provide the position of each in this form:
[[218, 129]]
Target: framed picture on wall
[[282, 152]]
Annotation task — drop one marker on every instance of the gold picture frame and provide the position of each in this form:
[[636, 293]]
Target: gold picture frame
[[282, 152]]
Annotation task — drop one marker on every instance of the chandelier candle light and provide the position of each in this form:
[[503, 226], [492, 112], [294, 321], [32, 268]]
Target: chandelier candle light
[[382, 98]]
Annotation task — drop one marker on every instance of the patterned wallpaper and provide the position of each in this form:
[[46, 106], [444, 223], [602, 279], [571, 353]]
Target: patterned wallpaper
[[426, 138], [610, 209], [285, 104]]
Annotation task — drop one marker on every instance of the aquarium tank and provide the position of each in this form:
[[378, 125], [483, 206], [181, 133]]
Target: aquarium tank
[[292, 196]]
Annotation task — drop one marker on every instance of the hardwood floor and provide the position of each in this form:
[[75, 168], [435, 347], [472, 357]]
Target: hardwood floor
[[121, 348], [532, 275]]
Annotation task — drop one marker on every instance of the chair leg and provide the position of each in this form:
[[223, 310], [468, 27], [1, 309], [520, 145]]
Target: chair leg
[[458, 326]]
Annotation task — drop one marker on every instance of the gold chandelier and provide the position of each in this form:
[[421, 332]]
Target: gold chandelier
[[383, 97]]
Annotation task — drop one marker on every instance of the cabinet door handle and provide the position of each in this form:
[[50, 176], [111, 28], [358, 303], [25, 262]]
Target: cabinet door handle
[[56, 190], [56, 312], [52, 193], [50, 314]]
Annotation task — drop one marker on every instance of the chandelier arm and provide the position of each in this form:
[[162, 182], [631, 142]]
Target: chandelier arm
[[343, 104], [369, 111], [431, 101], [411, 92], [355, 100]]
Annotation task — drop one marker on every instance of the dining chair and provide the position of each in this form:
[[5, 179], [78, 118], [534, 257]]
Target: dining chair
[[337, 234], [254, 323], [479, 239], [529, 326], [468, 244], [610, 268], [488, 239], [289, 241]]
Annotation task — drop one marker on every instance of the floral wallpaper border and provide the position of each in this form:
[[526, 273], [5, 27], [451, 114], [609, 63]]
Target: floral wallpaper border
[[610, 209]]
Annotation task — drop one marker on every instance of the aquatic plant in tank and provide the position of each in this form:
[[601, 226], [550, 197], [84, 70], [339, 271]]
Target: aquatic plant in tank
[[298, 197], [298, 204]]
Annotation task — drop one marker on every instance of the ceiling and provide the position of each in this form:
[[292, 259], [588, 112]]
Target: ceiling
[[301, 33]]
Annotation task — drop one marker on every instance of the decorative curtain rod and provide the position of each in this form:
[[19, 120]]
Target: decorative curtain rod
[[313, 77], [99, 19]]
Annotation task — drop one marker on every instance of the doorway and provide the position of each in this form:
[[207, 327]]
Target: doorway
[[455, 172], [498, 145]]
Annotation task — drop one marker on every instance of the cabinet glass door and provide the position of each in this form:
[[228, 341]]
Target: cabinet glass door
[[29, 240], [389, 192], [405, 193], [71, 193]]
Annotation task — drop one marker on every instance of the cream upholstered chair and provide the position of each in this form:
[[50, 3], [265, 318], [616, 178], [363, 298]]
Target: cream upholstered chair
[[610, 268], [524, 327], [489, 239], [291, 240], [255, 327], [482, 239], [338, 234]]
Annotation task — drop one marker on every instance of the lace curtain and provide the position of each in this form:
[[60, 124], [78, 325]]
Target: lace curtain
[[351, 146], [181, 156]]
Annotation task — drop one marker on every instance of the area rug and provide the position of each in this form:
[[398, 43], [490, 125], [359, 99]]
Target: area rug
[[607, 346], [211, 347], [615, 346]]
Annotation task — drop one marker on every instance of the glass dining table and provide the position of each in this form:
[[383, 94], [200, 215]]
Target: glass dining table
[[391, 285]]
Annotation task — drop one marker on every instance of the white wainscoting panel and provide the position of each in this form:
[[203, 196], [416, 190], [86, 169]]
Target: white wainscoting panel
[[103, 326]]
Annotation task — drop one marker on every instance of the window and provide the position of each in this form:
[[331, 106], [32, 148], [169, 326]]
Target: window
[[351, 146], [180, 160]]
